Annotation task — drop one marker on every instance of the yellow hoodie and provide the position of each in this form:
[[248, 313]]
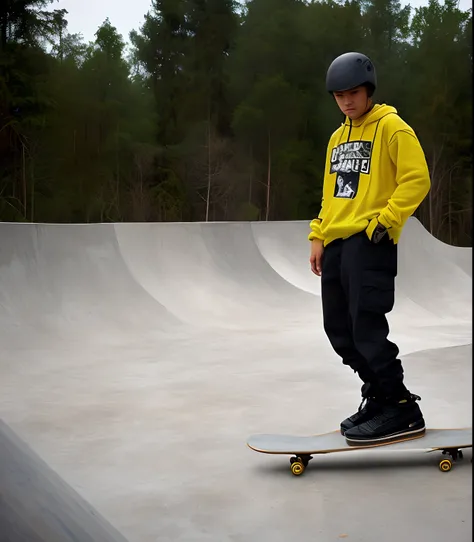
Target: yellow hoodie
[[375, 172]]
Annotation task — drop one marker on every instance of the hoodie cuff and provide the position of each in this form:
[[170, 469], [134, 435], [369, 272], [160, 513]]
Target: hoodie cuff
[[315, 230], [371, 228], [312, 236], [383, 221]]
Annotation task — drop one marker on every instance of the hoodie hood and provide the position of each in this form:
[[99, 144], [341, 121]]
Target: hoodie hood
[[377, 112]]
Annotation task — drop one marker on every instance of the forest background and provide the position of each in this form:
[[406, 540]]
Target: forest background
[[218, 110]]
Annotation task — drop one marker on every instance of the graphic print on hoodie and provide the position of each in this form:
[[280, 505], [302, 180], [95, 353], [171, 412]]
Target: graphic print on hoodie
[[349, 160]]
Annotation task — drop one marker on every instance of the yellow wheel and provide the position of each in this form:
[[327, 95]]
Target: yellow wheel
[[445, 465], [297, 468]]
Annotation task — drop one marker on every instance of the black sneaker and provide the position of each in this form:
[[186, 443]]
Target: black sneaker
[[401, 420], [368, 408]]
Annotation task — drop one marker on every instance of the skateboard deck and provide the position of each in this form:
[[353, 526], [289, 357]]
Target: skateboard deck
[[448, 441]]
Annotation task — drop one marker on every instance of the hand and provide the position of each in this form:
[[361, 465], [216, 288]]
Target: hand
[[379, 233], [316, 257]]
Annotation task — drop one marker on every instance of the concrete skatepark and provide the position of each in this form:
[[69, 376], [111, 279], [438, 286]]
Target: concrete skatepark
[[136, 359]]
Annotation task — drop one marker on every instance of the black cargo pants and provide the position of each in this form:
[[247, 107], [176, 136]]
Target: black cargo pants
[[358, 290]]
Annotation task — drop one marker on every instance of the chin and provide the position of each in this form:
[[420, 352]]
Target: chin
[[355, 114]]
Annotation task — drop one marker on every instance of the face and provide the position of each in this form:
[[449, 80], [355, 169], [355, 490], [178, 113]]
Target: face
[[354, 102]]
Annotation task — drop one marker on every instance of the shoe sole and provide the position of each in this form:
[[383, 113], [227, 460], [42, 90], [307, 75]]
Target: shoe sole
[[386, 439]]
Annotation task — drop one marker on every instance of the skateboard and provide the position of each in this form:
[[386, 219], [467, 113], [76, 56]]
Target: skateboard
[[448, 441]]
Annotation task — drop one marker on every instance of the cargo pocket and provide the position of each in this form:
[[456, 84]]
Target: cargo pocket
[[377, 291]]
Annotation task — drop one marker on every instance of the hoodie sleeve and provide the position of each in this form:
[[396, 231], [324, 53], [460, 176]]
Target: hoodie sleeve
[[412, 178], [315, 232], [315, 224]]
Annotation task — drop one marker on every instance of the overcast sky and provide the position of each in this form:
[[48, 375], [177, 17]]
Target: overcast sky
[[85, 16]]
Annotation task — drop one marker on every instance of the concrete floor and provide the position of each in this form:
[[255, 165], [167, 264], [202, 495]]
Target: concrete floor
[[137, 358]]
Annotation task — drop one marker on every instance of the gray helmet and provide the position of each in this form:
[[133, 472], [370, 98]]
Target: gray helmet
[[350, 70]]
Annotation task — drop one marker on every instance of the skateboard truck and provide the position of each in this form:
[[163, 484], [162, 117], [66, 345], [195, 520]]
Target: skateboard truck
[[299, 463], [446, 465]]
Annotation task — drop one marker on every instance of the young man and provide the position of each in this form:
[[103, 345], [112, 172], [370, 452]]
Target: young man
[[375, 177]]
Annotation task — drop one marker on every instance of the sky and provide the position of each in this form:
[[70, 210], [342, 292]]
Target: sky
[[85, 16]]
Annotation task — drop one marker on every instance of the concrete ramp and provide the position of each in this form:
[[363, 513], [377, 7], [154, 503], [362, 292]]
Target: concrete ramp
[[285, 247], [37, 506], [63, 283], [212, 275], [95, 281], [136, 359], [435, 276]]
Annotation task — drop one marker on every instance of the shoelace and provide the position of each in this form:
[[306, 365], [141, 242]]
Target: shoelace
[[364, 401]]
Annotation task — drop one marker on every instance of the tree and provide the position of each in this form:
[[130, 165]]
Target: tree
[[24, 26], [221, 111], [441, 98], [267, 120]]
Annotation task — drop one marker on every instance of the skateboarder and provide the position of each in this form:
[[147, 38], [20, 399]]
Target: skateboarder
[[375, 178]]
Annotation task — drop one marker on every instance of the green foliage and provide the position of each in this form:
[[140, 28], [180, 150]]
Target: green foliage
[[220, 111]]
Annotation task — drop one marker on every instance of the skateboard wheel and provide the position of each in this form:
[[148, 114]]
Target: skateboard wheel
[[445, 465], [297, 467]]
